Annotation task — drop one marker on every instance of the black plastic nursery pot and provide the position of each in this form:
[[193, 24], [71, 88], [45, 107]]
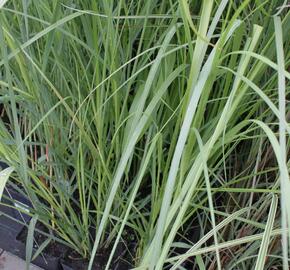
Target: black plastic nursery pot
[[65, 267], [13, 235], [10, 230]]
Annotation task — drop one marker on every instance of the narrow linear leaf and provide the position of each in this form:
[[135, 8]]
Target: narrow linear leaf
[[260, 264], [30, 240], [4, 176]]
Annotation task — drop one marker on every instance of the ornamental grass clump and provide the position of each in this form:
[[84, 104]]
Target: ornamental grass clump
[[161, 125]]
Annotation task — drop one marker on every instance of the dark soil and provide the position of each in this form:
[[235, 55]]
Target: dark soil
[[122, 260], [119, 263], [54, 249]]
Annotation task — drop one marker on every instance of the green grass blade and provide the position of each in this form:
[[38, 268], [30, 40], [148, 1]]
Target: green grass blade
[[30, 241], [4, 176], [260, 264]]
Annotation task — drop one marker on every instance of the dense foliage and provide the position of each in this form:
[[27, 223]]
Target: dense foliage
[[161, 124]]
